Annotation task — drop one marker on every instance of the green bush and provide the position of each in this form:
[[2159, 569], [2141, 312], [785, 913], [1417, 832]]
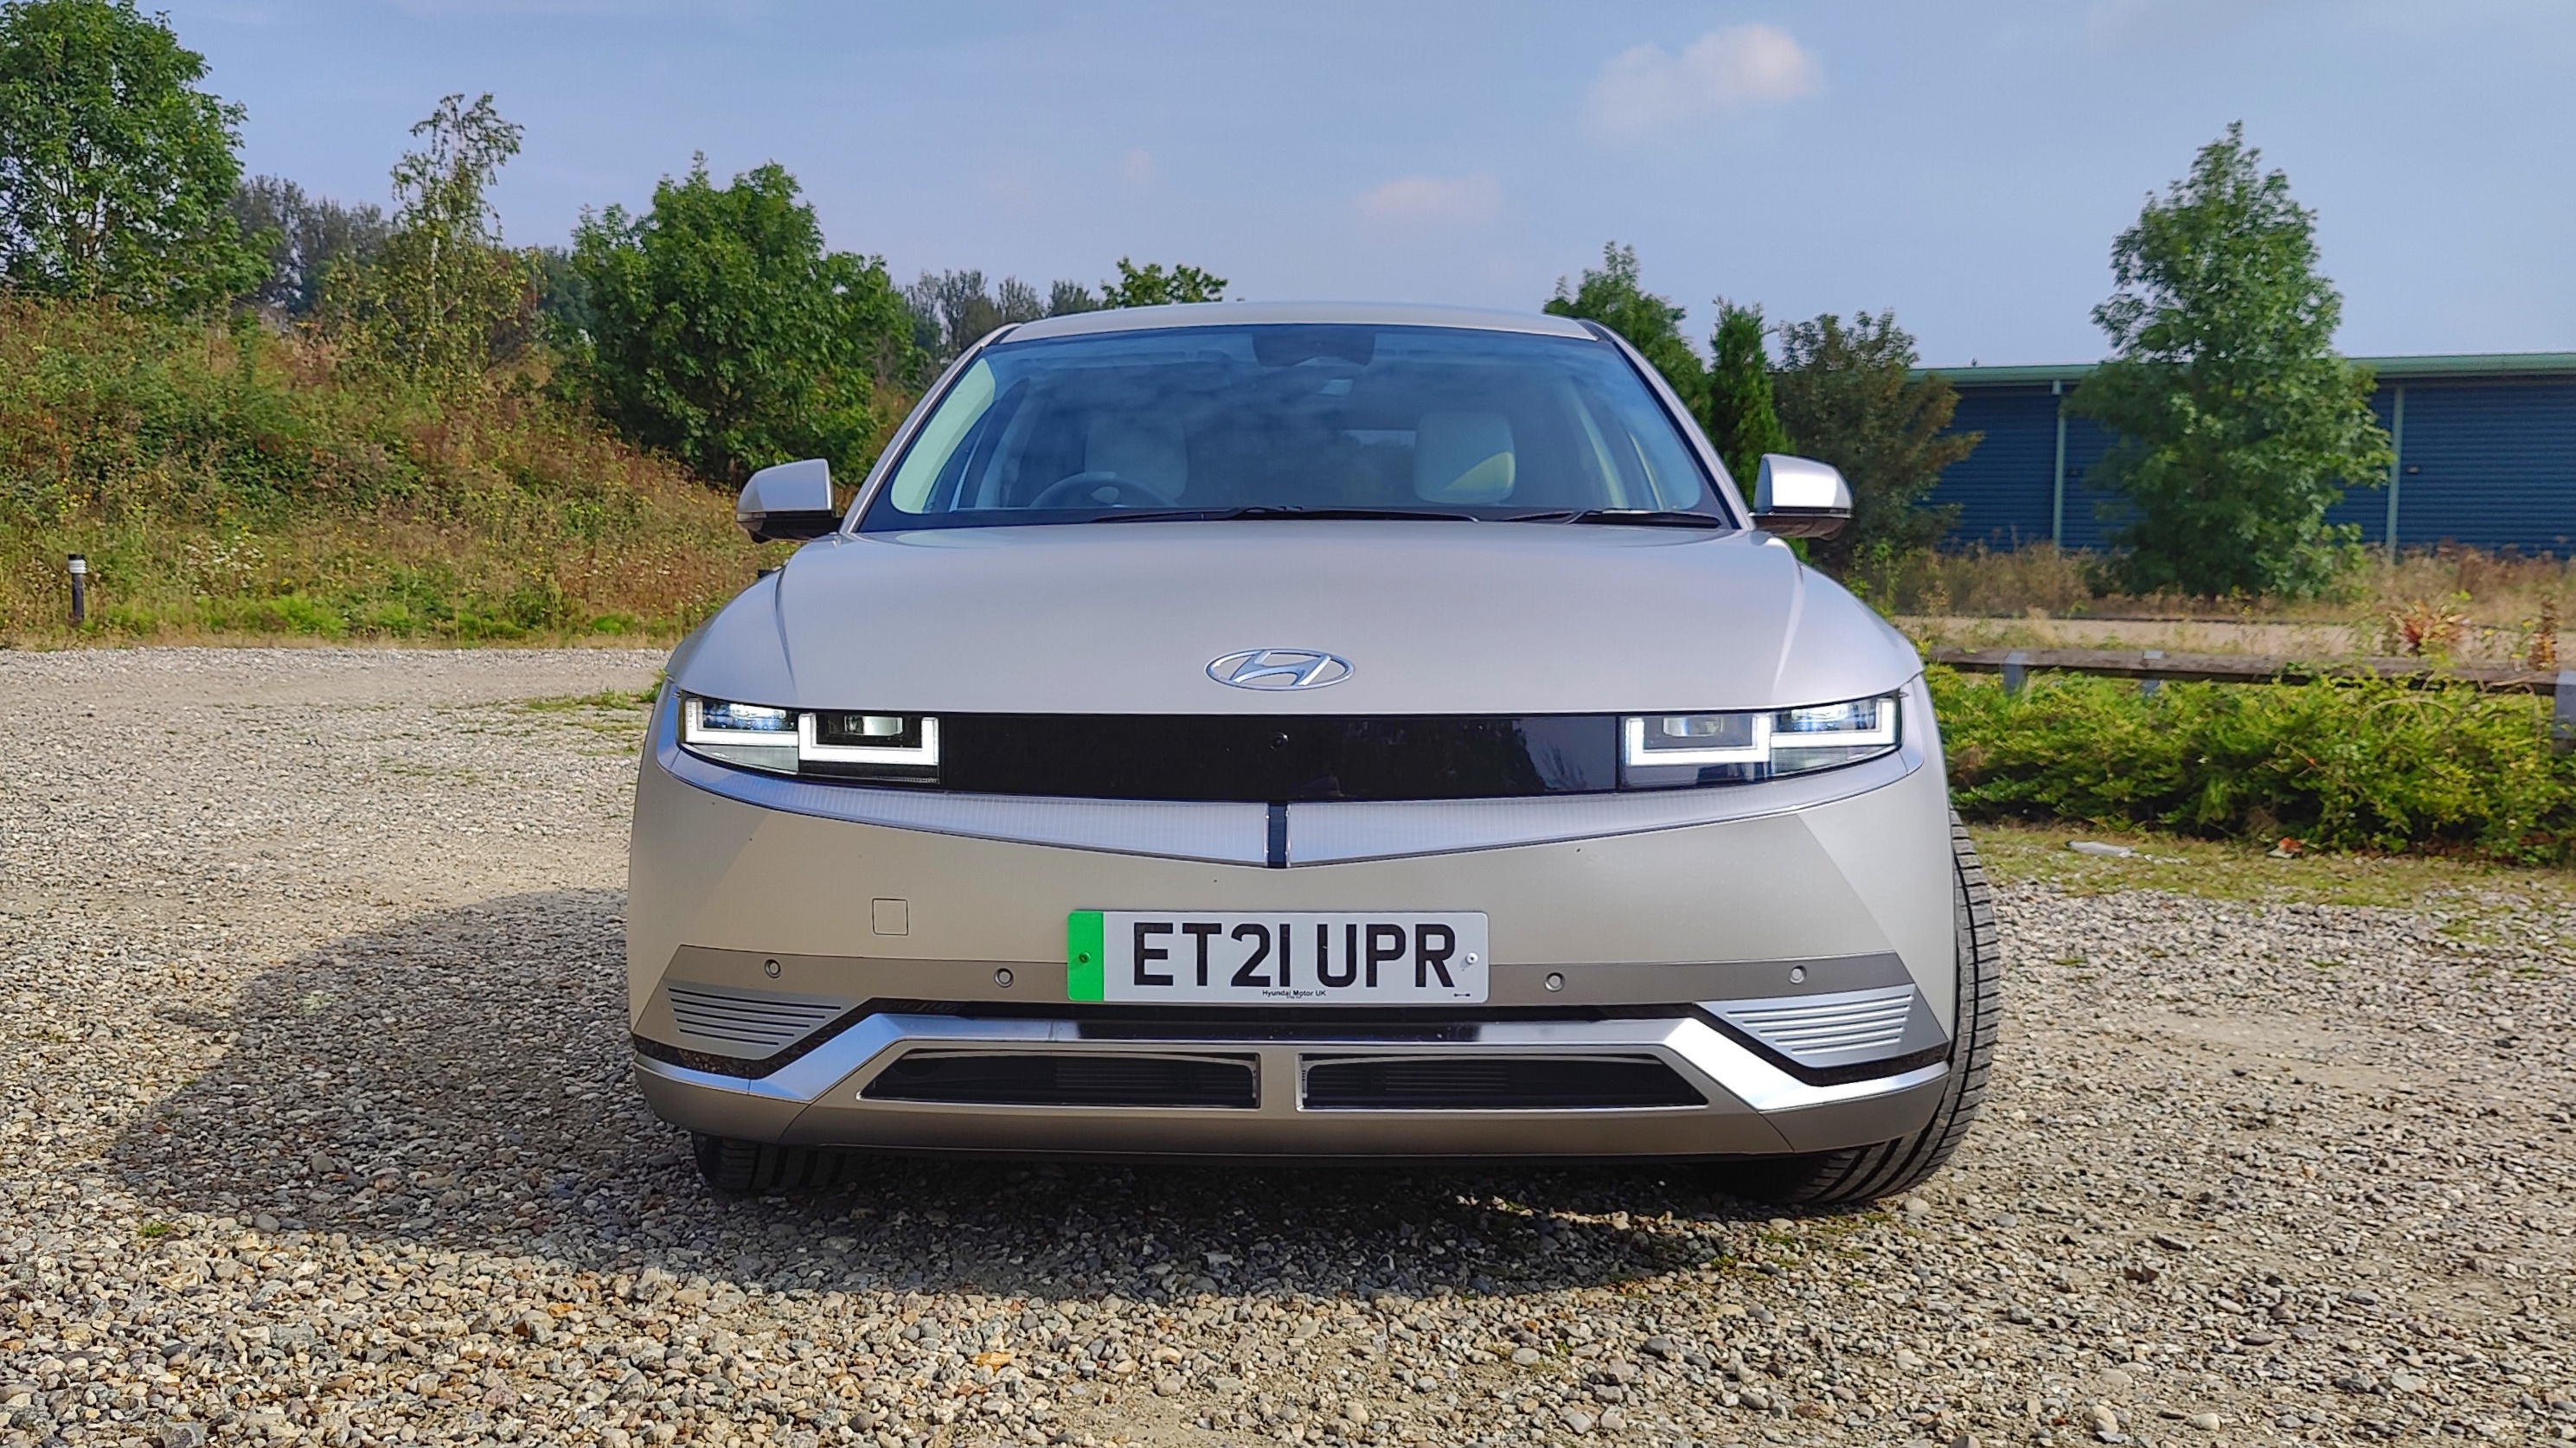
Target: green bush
[[230, 479], [2347, 765]]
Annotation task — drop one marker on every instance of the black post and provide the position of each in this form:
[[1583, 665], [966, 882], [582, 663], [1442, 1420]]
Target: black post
[[80, 590]]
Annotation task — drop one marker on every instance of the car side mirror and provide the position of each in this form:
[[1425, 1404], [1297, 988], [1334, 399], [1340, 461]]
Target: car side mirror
[[1800, 497], [791, 500]]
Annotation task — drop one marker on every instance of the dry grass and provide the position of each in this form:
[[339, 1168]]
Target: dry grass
[[231, 482], [2450, 602]]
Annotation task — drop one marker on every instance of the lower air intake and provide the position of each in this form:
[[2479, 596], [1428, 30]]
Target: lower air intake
[[1494, 1083], [1021, 1078]]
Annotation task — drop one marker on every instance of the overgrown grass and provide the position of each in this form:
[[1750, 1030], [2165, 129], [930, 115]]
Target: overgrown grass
[[2365, 766], [2249, 870], [2485, 591], [228, 480]]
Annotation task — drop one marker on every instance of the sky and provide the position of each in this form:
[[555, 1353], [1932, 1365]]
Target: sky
[[1967, 164]]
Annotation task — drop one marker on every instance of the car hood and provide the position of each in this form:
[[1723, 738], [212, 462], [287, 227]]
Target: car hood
[[1432, 617]]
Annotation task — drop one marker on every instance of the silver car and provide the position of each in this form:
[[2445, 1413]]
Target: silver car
[[1305, 732]]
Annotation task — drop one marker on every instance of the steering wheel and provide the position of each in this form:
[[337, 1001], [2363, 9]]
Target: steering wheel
[[1101, 486]]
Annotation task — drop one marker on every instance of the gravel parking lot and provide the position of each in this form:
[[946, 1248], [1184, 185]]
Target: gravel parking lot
[[317, 1129]]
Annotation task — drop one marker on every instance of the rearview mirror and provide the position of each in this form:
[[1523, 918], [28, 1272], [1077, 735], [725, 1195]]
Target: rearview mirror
[[791, 500], [1800, 497]]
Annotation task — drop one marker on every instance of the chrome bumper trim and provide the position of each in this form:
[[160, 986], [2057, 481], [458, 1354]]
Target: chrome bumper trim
[[1753, 1105]]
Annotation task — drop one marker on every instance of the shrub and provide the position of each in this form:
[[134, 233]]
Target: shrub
[[2360, 765], [230, 479]]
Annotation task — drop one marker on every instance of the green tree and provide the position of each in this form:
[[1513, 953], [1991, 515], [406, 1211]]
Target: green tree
[[1743, 421], [2238, 424], [1845, 394], [115, 169], [442, 300], [1614, 296], [723, 332], [1151, 286], [307, 236], [954, 310]]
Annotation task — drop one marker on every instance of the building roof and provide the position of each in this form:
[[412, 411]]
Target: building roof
[[2388, 369]]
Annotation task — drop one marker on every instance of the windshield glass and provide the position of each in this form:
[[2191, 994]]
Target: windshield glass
[[1283, 421]]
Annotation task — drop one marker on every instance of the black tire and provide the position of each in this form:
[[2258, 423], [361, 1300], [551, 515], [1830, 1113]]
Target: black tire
[[741, 1168], [1866, 1173]]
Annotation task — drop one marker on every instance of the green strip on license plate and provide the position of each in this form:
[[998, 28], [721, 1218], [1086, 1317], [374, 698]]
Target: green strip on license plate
[[1083, 956]]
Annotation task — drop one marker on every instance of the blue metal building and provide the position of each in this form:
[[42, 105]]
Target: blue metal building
[[2486, 455]]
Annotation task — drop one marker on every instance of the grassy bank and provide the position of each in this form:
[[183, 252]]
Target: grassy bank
[[2361, 766], [229, 480]]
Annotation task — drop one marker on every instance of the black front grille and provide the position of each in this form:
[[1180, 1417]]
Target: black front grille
[[1023, 1078], [1494, 1083], [1257, 759]]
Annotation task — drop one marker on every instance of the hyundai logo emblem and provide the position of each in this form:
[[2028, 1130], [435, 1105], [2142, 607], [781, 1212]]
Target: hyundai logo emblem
[[1280, 669]]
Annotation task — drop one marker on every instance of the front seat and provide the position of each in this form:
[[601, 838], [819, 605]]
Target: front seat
[[1463, 457]]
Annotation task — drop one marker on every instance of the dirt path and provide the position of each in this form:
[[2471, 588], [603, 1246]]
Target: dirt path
[[316, 1129]]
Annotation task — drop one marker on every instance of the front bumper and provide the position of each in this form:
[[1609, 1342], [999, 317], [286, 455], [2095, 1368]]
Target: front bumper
[[1752, 1106], [1780, 961]]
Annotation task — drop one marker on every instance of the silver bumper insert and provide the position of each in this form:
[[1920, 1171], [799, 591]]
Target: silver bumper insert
[[1838, 1030], [1749, 1103]]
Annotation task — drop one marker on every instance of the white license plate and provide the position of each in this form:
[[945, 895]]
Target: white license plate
[[1293, 957]]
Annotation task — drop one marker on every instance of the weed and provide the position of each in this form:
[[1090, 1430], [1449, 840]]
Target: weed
[[238, 482]]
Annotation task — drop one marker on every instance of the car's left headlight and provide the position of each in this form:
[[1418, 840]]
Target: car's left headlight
[[833, 743], [1672, 751]]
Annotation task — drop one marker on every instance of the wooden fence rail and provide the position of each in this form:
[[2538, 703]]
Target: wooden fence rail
[[2158, 665]]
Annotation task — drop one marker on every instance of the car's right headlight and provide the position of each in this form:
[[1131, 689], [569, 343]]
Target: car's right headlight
[[1673, 751], [832, 743]]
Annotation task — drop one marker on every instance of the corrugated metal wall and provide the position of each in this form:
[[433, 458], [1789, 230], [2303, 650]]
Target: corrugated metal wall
[[2488, 461]]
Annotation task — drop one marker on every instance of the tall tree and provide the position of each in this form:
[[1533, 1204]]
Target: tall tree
[[2238, 424], [1066, 298], [307, 236], [443, 300], [724, 332], [1151, 286], [1743, 420], [954, 310], [1846, 396], [1615, 296], [114, 167]]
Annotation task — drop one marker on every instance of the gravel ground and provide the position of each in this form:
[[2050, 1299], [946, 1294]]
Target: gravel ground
[[317, 1129]]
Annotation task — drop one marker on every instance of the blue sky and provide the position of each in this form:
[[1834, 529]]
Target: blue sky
[[1966, 163]]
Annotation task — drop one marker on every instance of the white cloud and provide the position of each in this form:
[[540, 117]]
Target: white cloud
[[1432, 200], [1647, 90], [1138, 168]]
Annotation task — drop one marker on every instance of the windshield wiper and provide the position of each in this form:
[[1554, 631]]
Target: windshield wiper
[[1275, 510], [1649, 517]]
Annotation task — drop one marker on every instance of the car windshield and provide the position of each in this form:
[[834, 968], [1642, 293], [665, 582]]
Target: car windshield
[[1294, 421]]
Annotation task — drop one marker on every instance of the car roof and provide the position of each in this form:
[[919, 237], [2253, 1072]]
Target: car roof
[[1256, 314]]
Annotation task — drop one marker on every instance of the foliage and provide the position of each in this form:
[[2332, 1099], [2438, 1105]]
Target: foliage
[[1066, 298], [952, 311], [1844, 394], [227, 479], [2348, 765], [723, 332], [441, 302], [115, 169], [2239, 426], [1743, 421], [563, 298], [306, 237], [1151, 286], [1616, 297]]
